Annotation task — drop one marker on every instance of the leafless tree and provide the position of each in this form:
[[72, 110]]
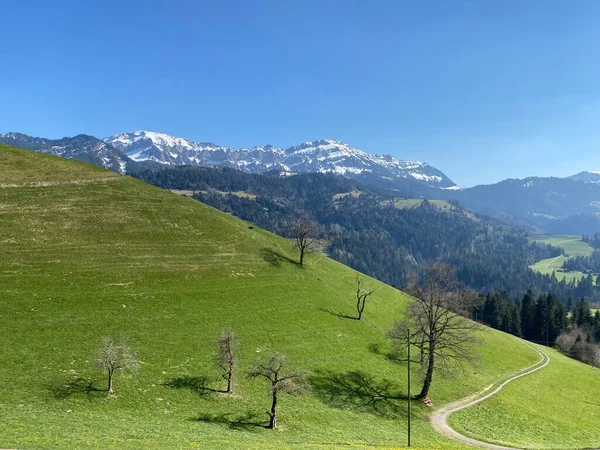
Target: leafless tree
[[114, 356], [361, 297], [282, 380], [304, 233], [437, 324], [227, 345], [579, 344]]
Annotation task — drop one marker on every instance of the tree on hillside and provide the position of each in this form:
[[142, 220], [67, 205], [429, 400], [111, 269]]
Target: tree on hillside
[[528, 328], [227, 345], [437, 324], [304, 233], [113, 356], [361, 297], [282, 380]]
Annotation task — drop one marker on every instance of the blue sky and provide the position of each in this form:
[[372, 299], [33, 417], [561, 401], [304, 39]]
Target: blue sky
[[483, 90]]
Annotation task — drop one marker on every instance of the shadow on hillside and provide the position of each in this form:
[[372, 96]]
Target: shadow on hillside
[[75, 386], [338, 315], [391, 356], [275, 258], [197, 385], [246, 422], [359, 391]]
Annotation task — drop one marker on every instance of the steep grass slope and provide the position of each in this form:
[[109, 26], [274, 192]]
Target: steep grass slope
[[87, 253]]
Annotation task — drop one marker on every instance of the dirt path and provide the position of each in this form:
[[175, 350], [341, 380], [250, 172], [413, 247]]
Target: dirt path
[[439, 418], [552, 262]]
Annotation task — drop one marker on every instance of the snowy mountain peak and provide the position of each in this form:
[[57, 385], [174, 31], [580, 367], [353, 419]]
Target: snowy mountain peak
[[323, 155]]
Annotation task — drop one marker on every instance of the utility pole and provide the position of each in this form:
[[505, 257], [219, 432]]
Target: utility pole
[[408, 346]]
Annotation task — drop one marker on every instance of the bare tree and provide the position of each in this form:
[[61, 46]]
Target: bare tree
[[437, 324], [282, 380], [361, 297], [227, 345], [114, 356], [304, 233]]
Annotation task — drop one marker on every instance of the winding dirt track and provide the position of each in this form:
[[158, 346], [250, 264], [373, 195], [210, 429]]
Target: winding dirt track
[[439, 418]]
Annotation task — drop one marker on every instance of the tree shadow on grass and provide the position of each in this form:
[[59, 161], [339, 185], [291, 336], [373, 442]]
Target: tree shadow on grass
[[198, 385], [247, 422], [75, 386], [359, 391], [338, 315], [275, 258], [391, 356]]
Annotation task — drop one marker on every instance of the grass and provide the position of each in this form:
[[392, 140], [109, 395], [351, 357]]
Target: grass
[[353, 193], [410, 203], [572, 246], [524, 413], [87, 253]]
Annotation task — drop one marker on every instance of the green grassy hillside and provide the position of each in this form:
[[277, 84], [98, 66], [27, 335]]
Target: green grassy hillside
[[556, 407], [87, 253], [572, 245]]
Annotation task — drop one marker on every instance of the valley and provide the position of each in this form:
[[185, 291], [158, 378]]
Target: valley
[[572, 246], [299, 225], [83, 261]]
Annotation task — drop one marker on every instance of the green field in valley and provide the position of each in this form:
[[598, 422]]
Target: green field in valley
[[88, 253], [572, 246]]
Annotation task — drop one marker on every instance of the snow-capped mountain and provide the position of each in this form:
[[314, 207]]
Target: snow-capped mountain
[[168, 150], [124, 151], [82, 147], [586, 177], [318, 156]]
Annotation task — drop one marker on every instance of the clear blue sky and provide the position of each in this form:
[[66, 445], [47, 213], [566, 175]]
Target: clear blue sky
[[483, 90]]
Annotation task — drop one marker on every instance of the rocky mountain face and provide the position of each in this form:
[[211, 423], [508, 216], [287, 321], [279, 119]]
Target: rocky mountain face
[[322, 156], [81, 147]]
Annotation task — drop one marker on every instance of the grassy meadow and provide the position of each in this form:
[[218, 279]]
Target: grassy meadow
[[87, 253], [519, 416], [572, 245]]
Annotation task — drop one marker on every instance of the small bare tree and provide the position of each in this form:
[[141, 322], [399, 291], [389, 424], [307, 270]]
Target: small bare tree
[[227, 345], [361, 297], [282, 380], [304, 233], [437, 324], [114, 356]]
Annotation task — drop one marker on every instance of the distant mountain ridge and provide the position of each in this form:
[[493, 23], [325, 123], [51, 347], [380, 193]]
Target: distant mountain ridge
[[120, 151], [569, 205], [586, 177], [81, 147]]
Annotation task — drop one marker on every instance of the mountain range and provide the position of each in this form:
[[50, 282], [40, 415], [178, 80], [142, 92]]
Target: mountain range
[[121, 151], [564, 205]]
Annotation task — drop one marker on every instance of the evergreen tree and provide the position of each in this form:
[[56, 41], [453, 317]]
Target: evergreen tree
[[528, 316]]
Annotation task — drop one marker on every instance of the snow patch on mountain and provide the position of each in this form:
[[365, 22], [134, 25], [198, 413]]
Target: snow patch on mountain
[[586, 177], [323, 156]]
